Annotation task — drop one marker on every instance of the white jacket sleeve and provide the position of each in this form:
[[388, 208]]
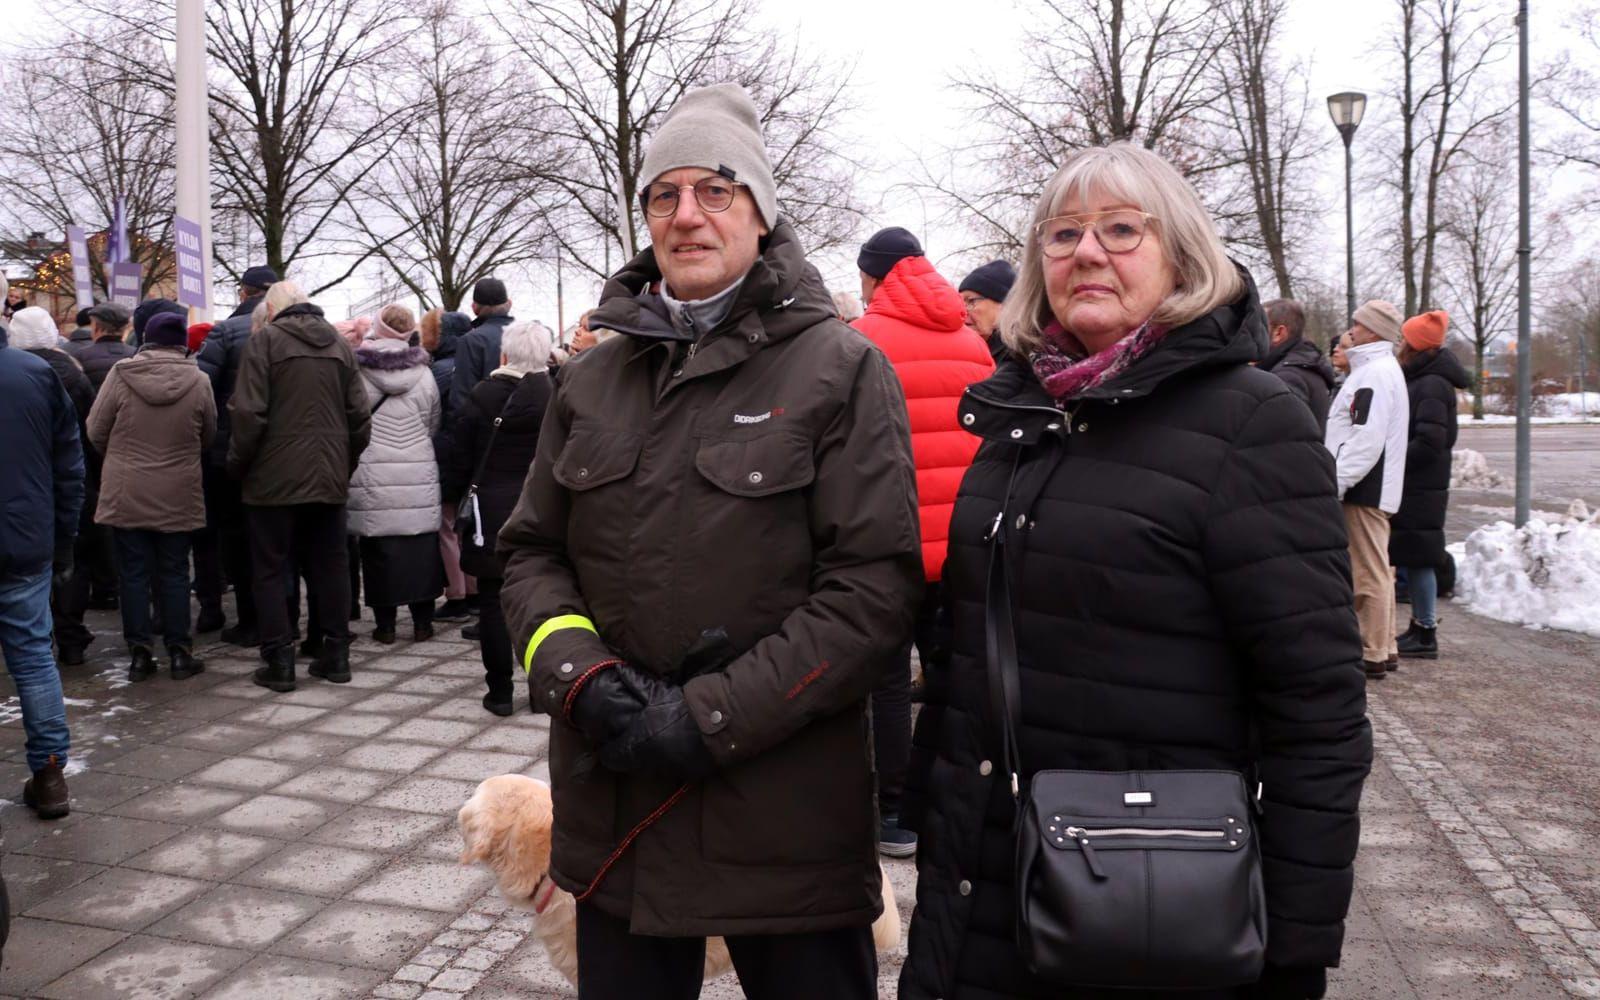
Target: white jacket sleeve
[[1369, 428]]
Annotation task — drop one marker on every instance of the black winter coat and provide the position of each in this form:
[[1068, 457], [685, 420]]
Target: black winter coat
[[1183, 601], [521, 403], [82, 395], [99, 356], [1306, 372], [1416, 532], [219, 358], [41, 493], [452, 327], [478, 352]]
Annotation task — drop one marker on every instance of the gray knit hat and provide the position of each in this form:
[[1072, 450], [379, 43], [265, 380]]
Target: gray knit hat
[[1381, 317], [715, 128]]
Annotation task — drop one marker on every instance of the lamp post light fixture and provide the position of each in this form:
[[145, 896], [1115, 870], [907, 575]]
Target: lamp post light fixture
[[1346, 110]]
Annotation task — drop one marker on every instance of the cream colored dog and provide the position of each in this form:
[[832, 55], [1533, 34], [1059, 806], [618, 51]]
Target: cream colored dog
[[506, 827]]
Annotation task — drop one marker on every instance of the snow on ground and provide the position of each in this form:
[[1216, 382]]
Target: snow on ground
[[1546, 573], [1470, 470], [1555, 408]]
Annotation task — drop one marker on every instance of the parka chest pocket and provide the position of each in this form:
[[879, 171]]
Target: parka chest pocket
[[595, 456], [758, 466]]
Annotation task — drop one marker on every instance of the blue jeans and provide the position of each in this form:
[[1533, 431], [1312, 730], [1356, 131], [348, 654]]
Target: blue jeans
[[25, 640], [154, 561], [1423, 582]]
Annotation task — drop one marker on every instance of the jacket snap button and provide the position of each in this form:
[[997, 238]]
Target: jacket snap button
[[1016, 433], [583, 473], [566, 668], [985, 769], [965, 888], [716, 717], [755, 477], [753, 337], [1053, 427], [677, 372], [969, 419], [1022, 521], [1083, 427]]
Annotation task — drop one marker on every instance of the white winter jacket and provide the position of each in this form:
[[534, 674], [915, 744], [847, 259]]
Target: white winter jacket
[[1367, 428], [395, 489]]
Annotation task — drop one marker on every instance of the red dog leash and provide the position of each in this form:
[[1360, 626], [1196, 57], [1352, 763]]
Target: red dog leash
[[627, 841]]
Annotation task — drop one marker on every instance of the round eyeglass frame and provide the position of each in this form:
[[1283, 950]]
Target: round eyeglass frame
[[1089, 220], [644, 197]]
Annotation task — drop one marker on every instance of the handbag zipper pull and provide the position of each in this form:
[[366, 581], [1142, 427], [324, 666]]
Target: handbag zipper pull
[[1081, 835]]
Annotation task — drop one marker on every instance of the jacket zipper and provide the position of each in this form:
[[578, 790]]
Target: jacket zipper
[[1082, 836]]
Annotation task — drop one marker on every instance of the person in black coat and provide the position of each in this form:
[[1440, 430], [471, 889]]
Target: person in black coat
[[1416, 532], [1296, 360], [110, 324], [1181, 587], [516, 393]]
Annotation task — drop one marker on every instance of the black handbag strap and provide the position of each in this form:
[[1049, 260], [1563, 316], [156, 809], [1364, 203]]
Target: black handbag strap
[[483, 460], [1000, 641]]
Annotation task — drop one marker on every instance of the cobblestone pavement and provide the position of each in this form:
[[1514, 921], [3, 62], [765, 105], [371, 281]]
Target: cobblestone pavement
[[226, 842]]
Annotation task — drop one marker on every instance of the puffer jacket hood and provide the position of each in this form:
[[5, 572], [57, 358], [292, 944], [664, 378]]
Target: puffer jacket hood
[[1416, 531], [159, 376], [915, 293], [307, 324], [1438, 362], [395, 488], [1302, 354], [452, 327]]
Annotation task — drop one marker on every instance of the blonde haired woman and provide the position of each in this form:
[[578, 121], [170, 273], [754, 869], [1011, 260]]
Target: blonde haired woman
[[1166, 523]]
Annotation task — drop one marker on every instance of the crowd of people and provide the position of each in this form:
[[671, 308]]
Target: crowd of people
[[1124, 512]]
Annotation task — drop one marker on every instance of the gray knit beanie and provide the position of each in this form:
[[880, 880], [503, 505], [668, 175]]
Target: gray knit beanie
[[715, 128], [1381, 317]]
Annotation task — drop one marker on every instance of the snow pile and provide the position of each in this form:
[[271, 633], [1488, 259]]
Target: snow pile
[[1546, 573], [1571, 404], [1470, 470]]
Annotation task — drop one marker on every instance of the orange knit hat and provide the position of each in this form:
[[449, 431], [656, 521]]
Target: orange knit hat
[[1426, 332]]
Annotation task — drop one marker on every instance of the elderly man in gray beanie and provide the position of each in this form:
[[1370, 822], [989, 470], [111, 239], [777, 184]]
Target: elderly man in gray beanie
[[1368, 426], [713, 554]]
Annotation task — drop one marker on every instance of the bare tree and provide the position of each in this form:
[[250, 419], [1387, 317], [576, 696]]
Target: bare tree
[[81, 133], [1266, 108], [458, 196], [1478, 260], [614, 68], [1447, 49], [298, 118], [1578, 101]]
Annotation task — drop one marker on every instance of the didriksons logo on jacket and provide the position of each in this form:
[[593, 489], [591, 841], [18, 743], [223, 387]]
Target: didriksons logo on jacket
[[757, 418]]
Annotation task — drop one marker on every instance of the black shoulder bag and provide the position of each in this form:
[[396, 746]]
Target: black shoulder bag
[[1125, 879], [469, 518]]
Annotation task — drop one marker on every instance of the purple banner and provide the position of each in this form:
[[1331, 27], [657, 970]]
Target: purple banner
[[78, 247], [191, 262], [124, 277]]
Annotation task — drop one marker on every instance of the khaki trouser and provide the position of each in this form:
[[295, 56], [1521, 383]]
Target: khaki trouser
[[1373, 577]]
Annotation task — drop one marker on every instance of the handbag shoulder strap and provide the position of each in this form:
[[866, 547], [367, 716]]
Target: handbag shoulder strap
[[1000, 641], [483, 460]]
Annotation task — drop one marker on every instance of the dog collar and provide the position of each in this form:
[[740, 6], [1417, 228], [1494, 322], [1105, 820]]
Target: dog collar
[[543, 890]]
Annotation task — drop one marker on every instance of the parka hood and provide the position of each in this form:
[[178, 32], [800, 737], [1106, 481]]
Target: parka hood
[[159, 376], [1300, 353], [1440, 362], [914, 292], [306, 323], [393, 365], [452, 327]]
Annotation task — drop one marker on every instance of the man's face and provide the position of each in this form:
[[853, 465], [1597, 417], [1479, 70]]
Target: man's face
[[1340, 360], [1359, 335], [869, 286], [982, 313], [701, 253]]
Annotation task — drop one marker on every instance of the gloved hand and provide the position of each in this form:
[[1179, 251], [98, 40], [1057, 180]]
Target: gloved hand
[[607, 703], [61, 565], [1293, 983], [662, 738]]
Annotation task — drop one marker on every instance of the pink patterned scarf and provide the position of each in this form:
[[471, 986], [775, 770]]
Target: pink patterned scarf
[[1066, 369]]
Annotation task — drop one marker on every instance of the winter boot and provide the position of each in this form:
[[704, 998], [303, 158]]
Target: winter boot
[[311, 647], [210, 620], [184, 665], [71, 655], [333, 664], [143, 665], [1392, 664], [498, 705], [1376, 670], [241, 635], [277, 674], [894, 840], [46, 792], [1420, 643]]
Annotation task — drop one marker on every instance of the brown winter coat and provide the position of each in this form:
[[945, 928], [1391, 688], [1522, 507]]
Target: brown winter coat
[[299, 413], [762, 482], [153, 417]]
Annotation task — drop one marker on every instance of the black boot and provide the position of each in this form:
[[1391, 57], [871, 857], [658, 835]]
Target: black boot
[[184, 665], [333, 664], [210, 620], [241, 635], [46, 792], [71, 655], [1374, 669], [143, 665], [498, 705], [277, 674], [1419, 643], [311, 647]]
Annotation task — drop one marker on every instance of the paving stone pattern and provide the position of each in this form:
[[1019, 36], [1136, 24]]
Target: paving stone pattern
[[230, 843]]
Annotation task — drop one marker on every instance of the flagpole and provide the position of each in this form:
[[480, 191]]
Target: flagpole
[[193, 142]]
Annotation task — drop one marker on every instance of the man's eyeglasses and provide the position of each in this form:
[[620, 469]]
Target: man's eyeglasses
[[1120, 231], [712, 194]]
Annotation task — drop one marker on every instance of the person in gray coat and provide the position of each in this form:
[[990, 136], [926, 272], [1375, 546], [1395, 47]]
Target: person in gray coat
[[394, 494]]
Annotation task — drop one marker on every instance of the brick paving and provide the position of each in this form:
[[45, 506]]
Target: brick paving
[[229, 843]]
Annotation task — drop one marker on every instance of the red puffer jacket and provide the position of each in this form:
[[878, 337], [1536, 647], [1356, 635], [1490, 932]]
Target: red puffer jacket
[[918, 320]]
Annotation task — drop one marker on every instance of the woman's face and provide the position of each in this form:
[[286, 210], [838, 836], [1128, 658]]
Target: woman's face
[[1101, 297]]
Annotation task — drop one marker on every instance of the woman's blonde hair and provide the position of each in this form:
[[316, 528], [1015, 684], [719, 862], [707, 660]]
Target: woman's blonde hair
[[1126, 173]]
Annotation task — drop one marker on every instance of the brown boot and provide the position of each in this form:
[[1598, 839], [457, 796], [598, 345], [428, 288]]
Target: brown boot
[[1376, 670], [46, 792]]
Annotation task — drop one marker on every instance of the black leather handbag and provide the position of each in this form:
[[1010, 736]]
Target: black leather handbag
[[1125, 879], [469, 515]]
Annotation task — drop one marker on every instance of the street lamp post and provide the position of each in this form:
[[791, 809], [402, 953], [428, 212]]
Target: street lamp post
[[1346, 110]]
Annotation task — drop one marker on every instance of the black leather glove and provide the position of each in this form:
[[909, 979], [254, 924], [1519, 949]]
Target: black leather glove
[[662, 738], [1293, 983], [607, 703], [61, 565]]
